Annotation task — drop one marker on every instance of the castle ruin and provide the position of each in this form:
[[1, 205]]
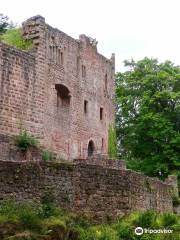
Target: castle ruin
[[61, 91]]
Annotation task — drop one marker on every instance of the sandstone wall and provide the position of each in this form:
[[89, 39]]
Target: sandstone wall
[[102, 160], [19, 94], [93, 190], [29, 83], [72, 128]]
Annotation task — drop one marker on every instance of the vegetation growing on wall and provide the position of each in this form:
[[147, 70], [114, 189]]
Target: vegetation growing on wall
[[14, 38], [112, 142], [24, 141], [20, 221], [12, 35], [47, 155]]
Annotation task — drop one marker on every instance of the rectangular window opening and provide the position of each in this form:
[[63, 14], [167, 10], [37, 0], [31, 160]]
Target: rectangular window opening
[[102, 146], [61, 58], [101, 113], [85, 106], [83, 71]]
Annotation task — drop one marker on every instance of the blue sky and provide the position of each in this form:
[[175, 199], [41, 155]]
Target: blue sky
[[129, 28]]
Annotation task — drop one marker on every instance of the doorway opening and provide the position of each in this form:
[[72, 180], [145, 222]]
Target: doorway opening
[[91, 148]]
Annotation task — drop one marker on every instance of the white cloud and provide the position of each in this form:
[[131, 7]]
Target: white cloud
[[130, 28]]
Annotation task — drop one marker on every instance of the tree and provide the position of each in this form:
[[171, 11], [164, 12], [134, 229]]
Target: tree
[[148, 116], [3, 23], [112, 142], [12, 35]]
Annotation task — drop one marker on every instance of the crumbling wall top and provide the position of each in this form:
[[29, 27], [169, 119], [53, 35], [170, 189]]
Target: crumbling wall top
[[35, 19], [88, 41]]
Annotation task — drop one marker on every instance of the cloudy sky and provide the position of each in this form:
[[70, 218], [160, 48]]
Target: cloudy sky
[[129, 28]]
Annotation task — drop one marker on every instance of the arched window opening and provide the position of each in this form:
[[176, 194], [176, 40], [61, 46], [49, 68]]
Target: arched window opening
[[63, 95], [91, 148], [60, 57]]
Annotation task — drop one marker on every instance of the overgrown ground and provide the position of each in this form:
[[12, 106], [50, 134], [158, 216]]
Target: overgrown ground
[[46, 222]]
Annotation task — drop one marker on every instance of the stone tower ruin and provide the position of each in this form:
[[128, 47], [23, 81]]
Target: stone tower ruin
[[61, 91]]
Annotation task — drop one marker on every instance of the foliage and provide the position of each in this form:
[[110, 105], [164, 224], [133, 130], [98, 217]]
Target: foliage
[[24, 141], [14, 37], [3, 23], [148, 114], [178, 178], [46, 155], [112, 142], [146, 219], [28, 217], [26, 214], [64, 225], [176, 200], [48, 205], [8, 211], [168, 219]]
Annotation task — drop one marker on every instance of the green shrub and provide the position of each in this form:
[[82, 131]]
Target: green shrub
[[105, 233], [85, 234], [48, 204], [61, 224], [28, 217], [25, 214], [46, 155], [146, 219], [112, 142], [124, 230], [14, 37], [176, 201], [8, 208], [24, 141], [168, 219], [100, 232]]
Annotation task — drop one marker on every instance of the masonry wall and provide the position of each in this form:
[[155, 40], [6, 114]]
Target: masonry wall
[[28, 90], [19, 100], [92, 190], [72, 129], [68, 129]]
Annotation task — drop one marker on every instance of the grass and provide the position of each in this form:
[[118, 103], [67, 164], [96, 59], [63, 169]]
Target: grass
[[14, 38], [27, 221]]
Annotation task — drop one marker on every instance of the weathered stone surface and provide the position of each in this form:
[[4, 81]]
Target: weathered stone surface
[[29, 82], [102, 160], [92, 190], [9, 151], [61, 91]]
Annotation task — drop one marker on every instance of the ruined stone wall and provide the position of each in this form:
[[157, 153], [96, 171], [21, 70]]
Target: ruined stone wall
[[19, 100], [8, 150], [93, 190], [29, 83], [68, 129], [104, 161]]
